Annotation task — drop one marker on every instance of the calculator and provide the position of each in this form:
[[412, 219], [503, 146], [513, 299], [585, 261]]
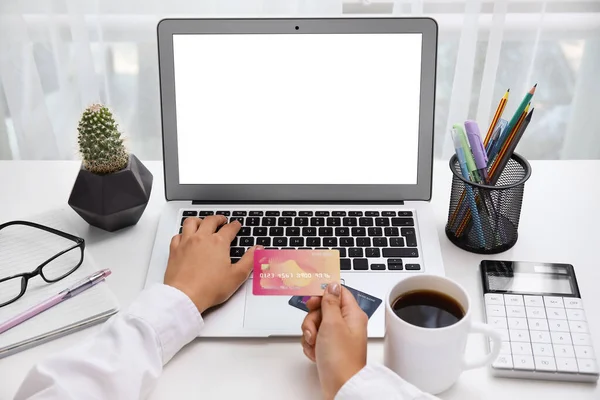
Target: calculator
[[538, 310]]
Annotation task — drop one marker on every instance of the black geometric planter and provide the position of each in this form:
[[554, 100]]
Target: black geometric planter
[[112, 201]]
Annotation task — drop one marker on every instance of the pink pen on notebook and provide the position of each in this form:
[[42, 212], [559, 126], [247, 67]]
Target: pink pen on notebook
[[66, 294]]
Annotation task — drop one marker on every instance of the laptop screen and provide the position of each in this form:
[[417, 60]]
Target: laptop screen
[[297, 109]]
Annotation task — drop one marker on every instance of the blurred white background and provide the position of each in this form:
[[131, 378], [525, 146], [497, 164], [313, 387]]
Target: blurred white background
[[58, 56]]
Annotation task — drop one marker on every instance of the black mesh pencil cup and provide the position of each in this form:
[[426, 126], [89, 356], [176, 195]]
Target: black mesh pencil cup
[[484, 218]]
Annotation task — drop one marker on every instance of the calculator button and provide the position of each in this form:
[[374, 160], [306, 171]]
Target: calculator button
[[515, 311], [538, 324], [545, 364], [498, 322], [584, 352], [587, 366], [533, 301], [565, 350], [495, 311], [494, 299], [566, 364], [578, 326], [558, 325], [561, 337], [521, 349], [541, 349], [574, 314], [504, 334], [556, 313], [503, 362], [519, 335], [535, 312], [517, 323], [573, 302], [540, 337], [504, 348], [581, 339], [553, 301], [513, 300], [523, 362]]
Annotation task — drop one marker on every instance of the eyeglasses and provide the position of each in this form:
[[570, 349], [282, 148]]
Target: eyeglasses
[[52, 270]]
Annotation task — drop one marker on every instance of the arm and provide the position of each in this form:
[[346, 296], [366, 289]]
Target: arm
[[377, 381], [126, 358], [335, 337]]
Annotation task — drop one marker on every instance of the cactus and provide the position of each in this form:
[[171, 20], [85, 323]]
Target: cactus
[[100, 142]]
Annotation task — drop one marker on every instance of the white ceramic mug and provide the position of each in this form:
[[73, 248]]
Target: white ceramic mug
[[432, 359]]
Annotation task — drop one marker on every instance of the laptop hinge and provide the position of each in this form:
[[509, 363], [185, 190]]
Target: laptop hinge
[[395, 203]]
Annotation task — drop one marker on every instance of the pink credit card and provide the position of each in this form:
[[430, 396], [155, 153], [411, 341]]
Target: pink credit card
[[294, 272]]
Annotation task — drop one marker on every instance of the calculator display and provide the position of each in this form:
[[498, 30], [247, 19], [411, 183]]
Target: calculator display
[[529, 278], [532, 283]]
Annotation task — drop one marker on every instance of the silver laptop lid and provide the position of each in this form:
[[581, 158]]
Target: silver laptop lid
[[298, 110]]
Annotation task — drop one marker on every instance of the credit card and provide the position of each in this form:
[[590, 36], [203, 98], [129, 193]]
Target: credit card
[[294, 272], [366, 302]]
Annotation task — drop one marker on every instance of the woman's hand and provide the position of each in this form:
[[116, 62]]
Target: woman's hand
[[199, 263], [335, 337]]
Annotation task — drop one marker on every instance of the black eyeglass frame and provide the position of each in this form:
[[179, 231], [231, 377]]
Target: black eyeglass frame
[[26, 276]]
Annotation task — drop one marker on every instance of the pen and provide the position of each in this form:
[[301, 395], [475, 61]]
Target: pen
[[500, 127], [462, 160], [460, 140], [72, 291], [479, 153], [464, 143]]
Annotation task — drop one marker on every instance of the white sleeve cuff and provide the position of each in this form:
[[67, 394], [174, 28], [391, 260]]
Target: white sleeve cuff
[[377, 381], [171, 314]]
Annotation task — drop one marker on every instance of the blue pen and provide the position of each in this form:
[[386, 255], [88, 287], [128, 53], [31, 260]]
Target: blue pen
[[470, 196], [498, 129], [502, 135]]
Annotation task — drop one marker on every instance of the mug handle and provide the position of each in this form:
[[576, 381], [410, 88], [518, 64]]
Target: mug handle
[[478, 327]]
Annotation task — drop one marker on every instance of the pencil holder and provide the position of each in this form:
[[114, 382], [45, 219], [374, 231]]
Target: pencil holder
[[484, 218]]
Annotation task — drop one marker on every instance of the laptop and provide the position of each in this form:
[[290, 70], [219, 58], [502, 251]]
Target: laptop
[[314, 134]]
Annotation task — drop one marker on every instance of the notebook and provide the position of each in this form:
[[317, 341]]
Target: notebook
[[22, 249]]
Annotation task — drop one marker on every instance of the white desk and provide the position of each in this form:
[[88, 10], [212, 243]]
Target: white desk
[[560, 223]]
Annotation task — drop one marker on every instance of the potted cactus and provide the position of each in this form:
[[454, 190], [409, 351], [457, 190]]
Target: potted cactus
[[113, 187]]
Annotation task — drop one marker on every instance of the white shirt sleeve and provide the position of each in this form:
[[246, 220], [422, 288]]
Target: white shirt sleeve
[[378, 382], [126, 358]]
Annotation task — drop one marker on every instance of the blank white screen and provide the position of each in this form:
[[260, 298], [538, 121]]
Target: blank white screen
[[297, 109]]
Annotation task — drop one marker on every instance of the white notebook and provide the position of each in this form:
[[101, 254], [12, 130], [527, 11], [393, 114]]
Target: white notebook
[[23, 249]]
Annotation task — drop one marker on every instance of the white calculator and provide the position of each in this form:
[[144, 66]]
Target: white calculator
[[537, 308]]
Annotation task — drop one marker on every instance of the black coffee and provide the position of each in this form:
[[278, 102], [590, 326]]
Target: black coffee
[[428, 309]]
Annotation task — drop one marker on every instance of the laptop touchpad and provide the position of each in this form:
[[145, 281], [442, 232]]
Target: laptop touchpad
[[272, 314]]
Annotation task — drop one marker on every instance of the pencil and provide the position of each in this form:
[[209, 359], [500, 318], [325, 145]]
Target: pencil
[[497, 116], [513, 144], [508, 141], [526, 100]]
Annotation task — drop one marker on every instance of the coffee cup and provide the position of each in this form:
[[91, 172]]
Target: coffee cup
[[427, 321]]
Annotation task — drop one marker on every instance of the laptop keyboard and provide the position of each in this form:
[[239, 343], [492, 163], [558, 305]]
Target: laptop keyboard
[[366, 240]]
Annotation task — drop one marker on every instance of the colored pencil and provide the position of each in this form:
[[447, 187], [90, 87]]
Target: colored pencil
[[526, 100], [508, 140], [497, 117], [512, 145]]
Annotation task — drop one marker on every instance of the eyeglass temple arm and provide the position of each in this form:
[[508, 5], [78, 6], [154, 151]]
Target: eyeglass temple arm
[[45, 228]]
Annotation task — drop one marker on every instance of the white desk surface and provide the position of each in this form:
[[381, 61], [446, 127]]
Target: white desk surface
[[560, 222]]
